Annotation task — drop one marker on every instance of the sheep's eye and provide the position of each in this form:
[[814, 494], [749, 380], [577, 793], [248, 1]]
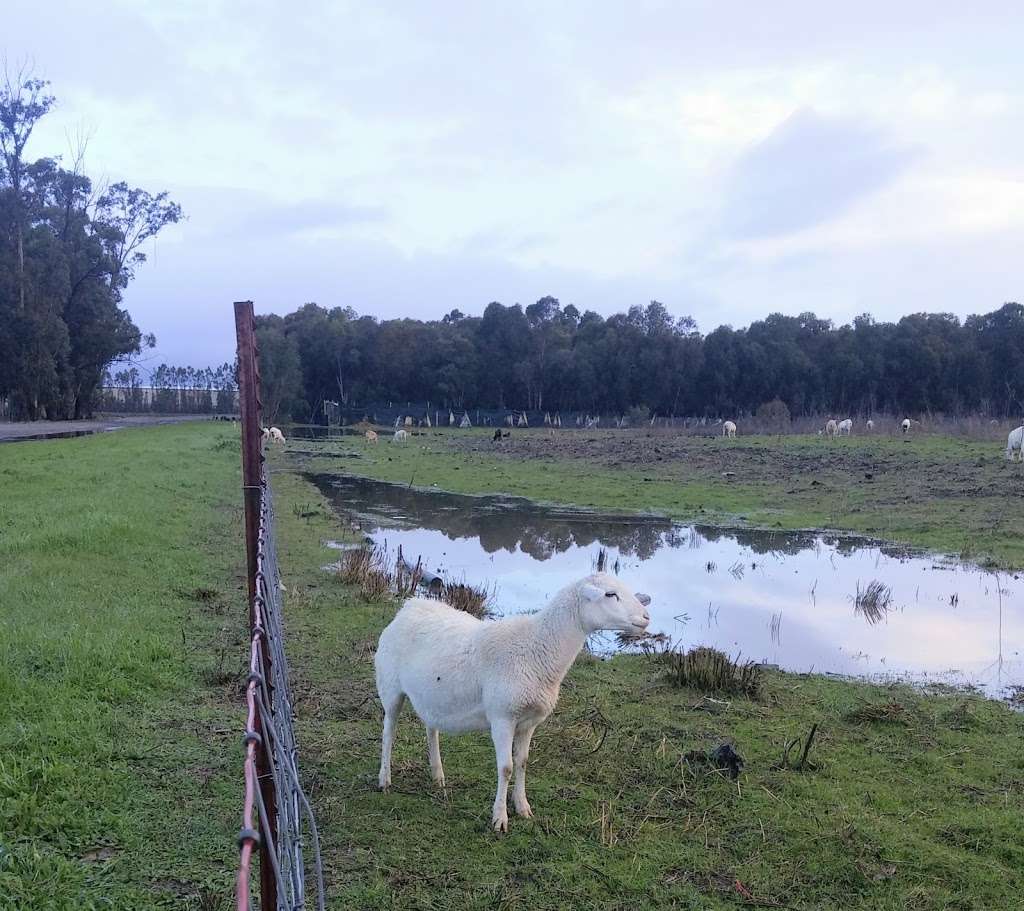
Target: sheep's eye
[[614, 595]]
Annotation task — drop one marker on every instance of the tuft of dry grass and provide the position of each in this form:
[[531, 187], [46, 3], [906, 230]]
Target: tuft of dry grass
[[711, 671], [371, 569], [891, 712], [355, 565]]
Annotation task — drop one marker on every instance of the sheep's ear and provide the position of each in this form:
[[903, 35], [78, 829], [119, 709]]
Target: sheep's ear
[[591, 592]]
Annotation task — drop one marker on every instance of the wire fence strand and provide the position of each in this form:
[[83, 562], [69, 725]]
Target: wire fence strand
[[270, 736]]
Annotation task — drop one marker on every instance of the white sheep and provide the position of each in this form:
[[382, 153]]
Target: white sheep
[[1015, 444], [400, 436], [276, 436], [831, 428], [846, 427], [905, 426], [371, 436], [870, 425], [728, 429], [464, 674]]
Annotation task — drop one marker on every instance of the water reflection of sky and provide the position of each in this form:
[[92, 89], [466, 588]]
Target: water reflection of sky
[[784, 599]]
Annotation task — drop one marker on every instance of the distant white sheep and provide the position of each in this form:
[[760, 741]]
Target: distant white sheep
[[464, 674], [400, 436], [276, 436], [846, 427], [870, 425], [728, 429], [1015, 444], [371, 436], [905, 426], [831, 428]]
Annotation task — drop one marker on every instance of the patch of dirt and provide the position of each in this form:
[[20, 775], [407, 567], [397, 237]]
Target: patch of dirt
[[908, 472]]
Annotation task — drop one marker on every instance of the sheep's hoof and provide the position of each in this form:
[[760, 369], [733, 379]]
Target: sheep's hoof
[[525, 810], [500, 823], [440, 782]]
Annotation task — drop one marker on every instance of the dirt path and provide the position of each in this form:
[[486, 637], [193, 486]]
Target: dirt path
[[33, 430]]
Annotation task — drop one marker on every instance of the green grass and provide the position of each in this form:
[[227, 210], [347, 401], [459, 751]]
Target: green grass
[[120, 759], [120, 755], [913, 801], [952, 495]]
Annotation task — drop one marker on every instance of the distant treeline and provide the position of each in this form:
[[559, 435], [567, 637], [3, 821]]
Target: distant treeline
[[68, 250], [171, 390], [547, 357]]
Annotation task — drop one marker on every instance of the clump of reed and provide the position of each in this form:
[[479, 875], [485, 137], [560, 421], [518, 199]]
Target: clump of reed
[[407, 577], [873, 602], [710, 671], [468, 598]]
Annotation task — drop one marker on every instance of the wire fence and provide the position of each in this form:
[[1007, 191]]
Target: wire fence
[[269, 731], [276, 814]]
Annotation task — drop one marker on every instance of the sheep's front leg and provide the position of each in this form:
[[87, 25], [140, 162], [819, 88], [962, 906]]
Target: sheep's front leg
[[502, 733], [391, 712], [520, 754], [434, 755]]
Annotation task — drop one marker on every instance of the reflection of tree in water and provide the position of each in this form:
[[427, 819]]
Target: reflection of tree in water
[[501, 523], [793, 542]]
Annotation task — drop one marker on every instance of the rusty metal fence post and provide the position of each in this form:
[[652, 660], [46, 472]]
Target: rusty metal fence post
[[252, 470], [277, 819]]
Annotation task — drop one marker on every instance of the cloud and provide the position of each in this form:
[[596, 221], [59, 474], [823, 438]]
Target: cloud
[[810, 170]]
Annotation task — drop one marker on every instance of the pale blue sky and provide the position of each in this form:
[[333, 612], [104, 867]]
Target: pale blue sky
[[728, 159]]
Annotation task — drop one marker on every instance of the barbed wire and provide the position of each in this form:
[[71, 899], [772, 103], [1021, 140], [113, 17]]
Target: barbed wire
[[274, 799]]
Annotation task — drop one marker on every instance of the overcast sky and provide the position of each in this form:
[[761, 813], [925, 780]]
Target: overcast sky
[[405, 159]]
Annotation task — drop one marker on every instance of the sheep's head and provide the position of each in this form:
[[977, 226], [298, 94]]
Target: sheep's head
[[607, 603]]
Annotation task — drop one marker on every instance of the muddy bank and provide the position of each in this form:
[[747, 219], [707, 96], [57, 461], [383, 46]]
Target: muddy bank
[[801, 461]]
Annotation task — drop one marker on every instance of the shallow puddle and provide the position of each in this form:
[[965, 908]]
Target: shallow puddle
[[783, 598]]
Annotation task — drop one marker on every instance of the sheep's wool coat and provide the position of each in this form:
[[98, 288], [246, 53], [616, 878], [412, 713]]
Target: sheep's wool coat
[[525, 659]]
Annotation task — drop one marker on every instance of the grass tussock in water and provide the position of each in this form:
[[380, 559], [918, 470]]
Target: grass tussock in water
[[710, 671], [468, 598], [873, 602]]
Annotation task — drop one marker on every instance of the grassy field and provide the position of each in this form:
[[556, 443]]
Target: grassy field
[[121, 633], [121, 648], [953, 495]]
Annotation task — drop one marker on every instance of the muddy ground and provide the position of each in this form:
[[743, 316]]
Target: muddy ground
[[924, 466]]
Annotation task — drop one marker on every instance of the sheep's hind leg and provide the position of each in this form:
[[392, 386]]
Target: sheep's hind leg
[[434, 755], [391, 712], [520, 755], [502, 732]]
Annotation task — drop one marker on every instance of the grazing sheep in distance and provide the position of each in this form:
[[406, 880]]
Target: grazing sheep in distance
[[1015, 444], [464, 674], [905, 426], [264, 435], [728, 429], [371, 436], [846, 427], [276, 436], [870, 424], [400, 436], [497, 435], [831, 428]]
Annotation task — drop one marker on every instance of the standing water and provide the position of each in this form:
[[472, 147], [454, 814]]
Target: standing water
[[802, 600]]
